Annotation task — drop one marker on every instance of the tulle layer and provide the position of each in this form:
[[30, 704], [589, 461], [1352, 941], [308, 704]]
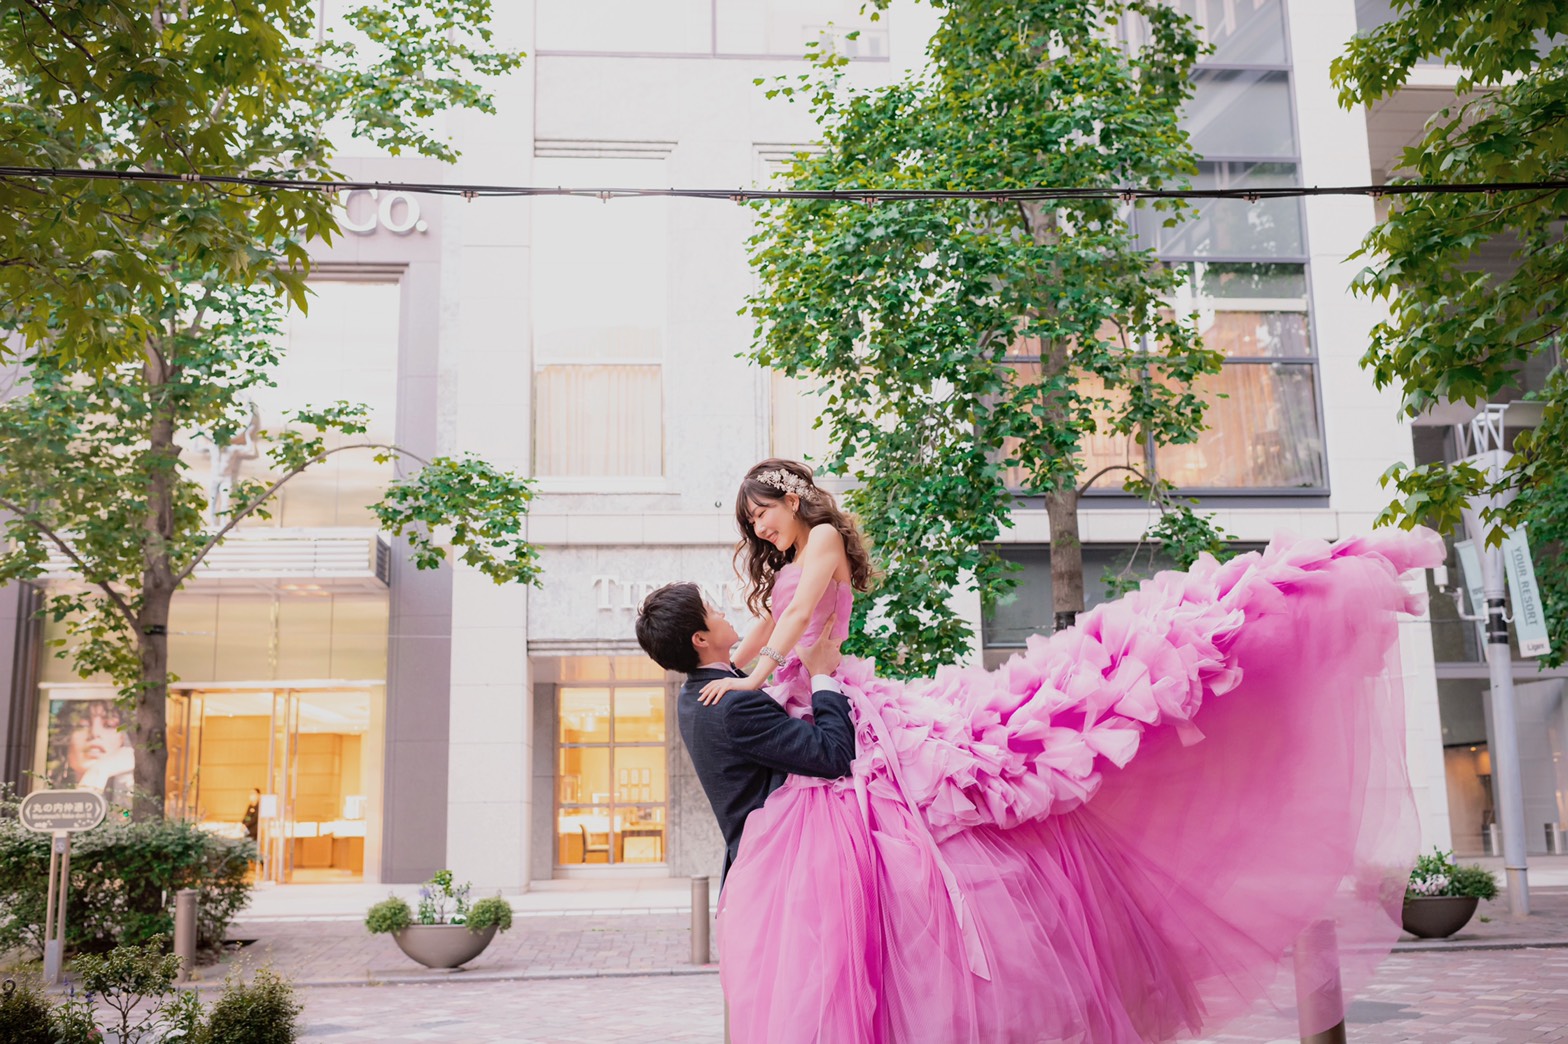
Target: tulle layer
[[1193, 803], [1036, 736]]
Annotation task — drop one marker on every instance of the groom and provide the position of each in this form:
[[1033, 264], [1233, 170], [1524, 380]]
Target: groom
[[745, 745]]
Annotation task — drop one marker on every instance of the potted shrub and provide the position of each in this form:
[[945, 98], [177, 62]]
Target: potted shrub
[[1442, 895], [447, 931]]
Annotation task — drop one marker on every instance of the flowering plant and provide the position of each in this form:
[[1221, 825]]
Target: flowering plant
[[1438, 875], [441, 901]]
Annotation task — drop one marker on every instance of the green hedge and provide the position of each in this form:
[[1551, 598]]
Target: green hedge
[[123, 879]]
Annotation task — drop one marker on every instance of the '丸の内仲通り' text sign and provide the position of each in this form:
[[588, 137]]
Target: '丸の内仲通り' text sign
[[62, 811]]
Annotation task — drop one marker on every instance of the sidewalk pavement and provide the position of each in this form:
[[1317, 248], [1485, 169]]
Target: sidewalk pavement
[[315, 933]]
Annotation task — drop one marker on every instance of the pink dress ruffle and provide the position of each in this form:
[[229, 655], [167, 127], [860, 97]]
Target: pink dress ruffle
[[1122, 834]]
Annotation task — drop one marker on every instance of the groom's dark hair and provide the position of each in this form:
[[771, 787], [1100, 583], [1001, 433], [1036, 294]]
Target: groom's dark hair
[[668, 619]]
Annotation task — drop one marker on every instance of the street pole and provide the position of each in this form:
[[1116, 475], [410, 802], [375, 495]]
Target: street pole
[[1483, 436]]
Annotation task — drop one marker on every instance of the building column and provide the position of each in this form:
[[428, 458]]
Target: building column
[[1362, 425]]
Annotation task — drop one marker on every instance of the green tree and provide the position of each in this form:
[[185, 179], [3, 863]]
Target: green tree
[[144, 311], [959, 339], [1456, 332], [88, 269], [95, 470]]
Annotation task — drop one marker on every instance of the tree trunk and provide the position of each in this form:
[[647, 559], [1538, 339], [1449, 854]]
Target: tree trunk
[[1061, 501], [1066, 556], [149, 730]]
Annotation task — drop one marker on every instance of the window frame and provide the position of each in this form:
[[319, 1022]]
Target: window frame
[[1144, 237], [610, 744]]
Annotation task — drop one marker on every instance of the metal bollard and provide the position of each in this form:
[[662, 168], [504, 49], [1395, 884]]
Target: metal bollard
[[185, 930], [1556, 842], [700, 953]]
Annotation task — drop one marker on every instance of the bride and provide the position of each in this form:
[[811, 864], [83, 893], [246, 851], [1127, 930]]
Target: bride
[[1191, 805]]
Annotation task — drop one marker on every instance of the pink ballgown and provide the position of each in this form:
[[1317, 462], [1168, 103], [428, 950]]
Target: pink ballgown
[[1191, 806]]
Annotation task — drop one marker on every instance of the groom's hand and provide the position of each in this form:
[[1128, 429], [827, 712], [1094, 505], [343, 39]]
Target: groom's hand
[[823, 656]]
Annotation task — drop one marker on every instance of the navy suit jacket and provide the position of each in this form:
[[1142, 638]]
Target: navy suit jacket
[[744, 746]]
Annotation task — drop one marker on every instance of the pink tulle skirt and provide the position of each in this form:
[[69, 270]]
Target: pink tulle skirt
[[1248, 853]]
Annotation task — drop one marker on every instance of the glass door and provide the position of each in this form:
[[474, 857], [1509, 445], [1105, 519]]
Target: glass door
[[277, 803], [611, 779], [182, 777], [302, 758]]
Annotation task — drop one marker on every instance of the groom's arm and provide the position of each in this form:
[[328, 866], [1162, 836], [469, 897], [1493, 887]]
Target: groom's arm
[[764, 732]]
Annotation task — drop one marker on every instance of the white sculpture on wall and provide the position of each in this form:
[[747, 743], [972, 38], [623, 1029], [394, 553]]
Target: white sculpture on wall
[[225, 461]]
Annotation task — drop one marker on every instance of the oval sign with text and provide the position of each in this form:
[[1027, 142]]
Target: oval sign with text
[[62, 811]]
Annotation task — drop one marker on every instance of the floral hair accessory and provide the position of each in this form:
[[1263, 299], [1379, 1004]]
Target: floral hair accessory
[[786, 481]]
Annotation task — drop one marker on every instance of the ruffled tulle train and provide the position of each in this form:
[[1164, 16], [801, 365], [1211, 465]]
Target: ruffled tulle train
[[1123, 834]]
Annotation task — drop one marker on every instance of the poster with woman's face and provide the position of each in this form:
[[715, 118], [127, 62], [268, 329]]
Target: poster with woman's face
[[87, 747]]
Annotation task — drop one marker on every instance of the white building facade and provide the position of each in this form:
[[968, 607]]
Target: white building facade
[[518, 734]]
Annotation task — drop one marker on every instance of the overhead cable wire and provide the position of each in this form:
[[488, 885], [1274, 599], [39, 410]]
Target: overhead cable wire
[[1125, 193]]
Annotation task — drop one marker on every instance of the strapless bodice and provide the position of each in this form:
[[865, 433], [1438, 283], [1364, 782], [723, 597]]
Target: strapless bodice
[[839, 598]]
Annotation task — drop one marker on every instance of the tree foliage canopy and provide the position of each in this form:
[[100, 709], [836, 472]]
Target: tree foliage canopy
[[955, 341], [223, 87], [141, 313], [1456, 331]]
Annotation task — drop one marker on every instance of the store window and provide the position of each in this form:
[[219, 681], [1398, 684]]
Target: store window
[[600, 316], [295, 767], [612, 780], [1541, 705]]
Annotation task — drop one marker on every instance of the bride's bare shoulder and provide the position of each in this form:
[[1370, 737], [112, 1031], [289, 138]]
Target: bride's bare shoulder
[[825, 536]]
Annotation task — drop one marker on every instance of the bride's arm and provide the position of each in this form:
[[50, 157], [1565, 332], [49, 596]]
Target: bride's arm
[[821, 558], [750, 645]]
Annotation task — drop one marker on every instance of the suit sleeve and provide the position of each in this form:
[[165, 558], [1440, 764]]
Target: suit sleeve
[[764, 732]]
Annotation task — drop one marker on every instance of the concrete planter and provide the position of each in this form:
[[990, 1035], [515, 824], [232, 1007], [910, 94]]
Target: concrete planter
[[1437, 916], [444, 946]]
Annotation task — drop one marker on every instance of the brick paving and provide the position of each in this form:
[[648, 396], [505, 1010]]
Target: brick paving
[[341, 952], [627, 977], [1467, 997]]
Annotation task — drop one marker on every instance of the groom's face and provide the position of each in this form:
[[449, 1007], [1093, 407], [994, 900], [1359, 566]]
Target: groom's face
[[718, 636]]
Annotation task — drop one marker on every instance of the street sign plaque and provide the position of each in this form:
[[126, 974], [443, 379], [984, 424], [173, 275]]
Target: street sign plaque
[[62, 811]]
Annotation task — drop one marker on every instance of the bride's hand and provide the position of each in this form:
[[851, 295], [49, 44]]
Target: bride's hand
[[715, 690]]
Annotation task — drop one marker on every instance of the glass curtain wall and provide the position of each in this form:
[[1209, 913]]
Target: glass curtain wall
[[1244, 285], [281, 680]]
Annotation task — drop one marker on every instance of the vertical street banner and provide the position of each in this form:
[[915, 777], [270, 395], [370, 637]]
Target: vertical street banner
[[1525, 596], [1470, 573]]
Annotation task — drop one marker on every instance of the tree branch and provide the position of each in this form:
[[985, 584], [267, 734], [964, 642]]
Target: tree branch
[[267, 494], [73, 41], [65, 549], [1105, 470]]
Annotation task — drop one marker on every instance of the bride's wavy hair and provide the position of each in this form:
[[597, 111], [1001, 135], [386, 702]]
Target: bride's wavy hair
[[757, 561]]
